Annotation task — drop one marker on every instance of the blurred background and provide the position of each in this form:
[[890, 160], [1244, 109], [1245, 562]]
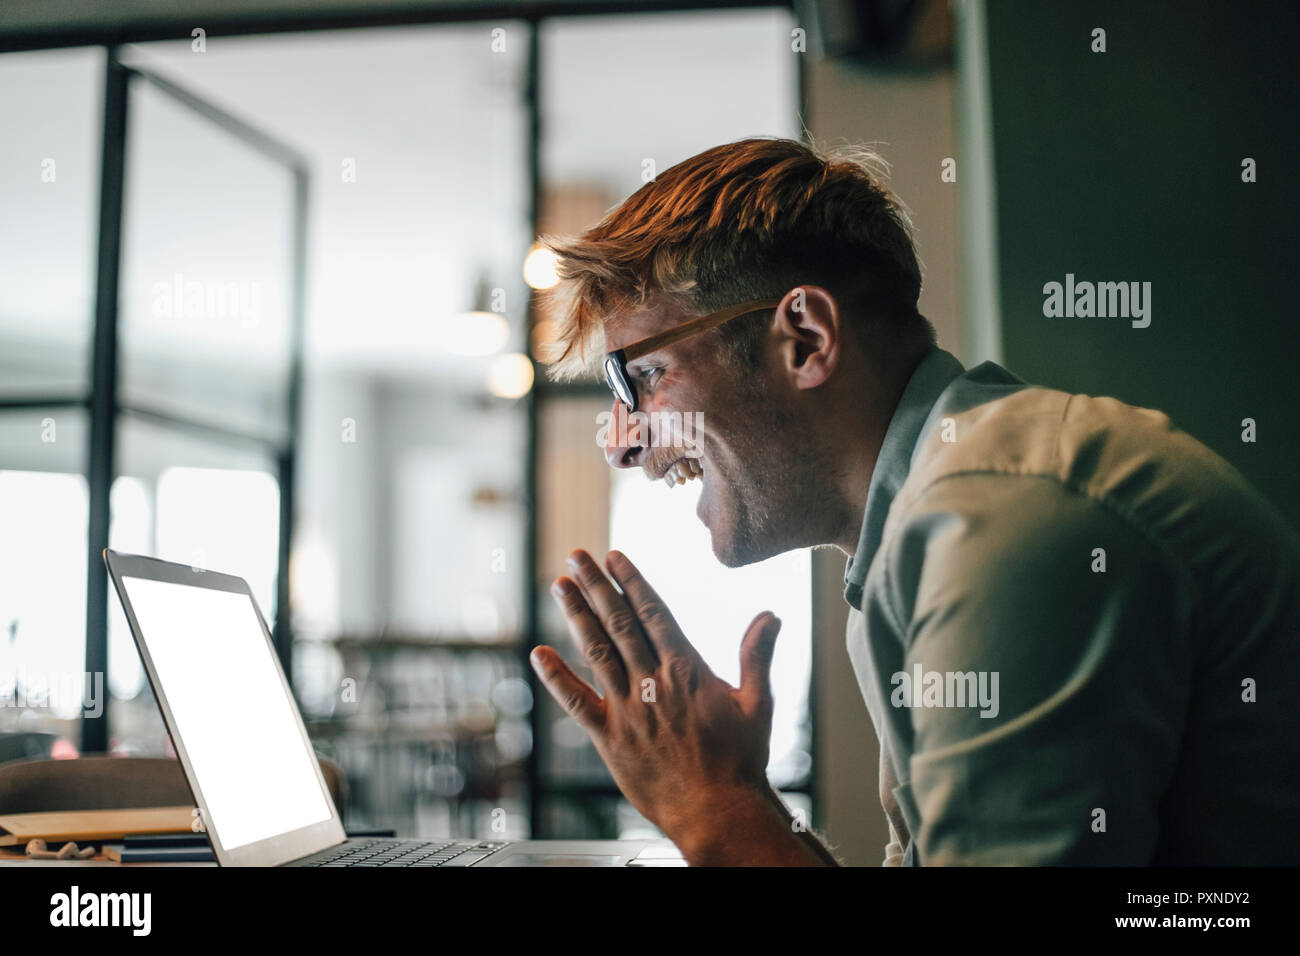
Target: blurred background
[[266, 306]]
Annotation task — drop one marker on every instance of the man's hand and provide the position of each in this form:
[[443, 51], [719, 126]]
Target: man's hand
[[688, 750]]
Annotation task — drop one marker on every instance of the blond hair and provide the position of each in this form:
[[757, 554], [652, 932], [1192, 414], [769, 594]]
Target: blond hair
[[743, 221]]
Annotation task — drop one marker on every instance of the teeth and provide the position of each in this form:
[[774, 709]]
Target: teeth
[[682, 471]]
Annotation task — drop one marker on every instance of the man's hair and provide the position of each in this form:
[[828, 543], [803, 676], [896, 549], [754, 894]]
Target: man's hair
[[746, 220]]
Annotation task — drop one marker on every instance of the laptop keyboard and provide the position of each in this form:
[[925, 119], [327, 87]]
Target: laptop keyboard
[[414, 853]]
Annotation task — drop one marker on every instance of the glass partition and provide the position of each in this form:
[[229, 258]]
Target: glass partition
[[44, 503], [49, 182], [204, 323]]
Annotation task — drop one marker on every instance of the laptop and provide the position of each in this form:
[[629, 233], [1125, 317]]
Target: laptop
[[240, 737]]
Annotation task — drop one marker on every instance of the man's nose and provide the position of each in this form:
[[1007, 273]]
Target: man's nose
[[624, 444]]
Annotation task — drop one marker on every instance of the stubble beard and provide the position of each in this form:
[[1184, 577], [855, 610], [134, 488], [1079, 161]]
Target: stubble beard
[[787, 495]]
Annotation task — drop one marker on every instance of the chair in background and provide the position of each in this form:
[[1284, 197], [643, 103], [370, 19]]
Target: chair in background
[[24, 746]]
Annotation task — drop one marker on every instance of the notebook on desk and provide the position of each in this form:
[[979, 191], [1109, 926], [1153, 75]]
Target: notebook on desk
[[241, 740], [92, 826]]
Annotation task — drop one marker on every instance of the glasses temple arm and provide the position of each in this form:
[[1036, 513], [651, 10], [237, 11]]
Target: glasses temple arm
[[695, 326]]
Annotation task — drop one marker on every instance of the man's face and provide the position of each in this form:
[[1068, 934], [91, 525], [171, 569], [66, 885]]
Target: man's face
[[765, 485]]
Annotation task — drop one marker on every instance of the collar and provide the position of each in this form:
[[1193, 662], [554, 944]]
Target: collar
[[931, 377]]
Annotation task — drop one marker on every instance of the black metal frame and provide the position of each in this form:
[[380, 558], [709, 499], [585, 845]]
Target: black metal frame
[[101, 462], [103, 402], [532, 610]]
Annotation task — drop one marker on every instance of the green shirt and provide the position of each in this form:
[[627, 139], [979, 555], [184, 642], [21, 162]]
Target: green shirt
[[1077, 632]]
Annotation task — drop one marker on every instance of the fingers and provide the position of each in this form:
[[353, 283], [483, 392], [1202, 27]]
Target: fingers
[[656, 620], [569, 690], [756, 652], [590, 636], [615, 615]]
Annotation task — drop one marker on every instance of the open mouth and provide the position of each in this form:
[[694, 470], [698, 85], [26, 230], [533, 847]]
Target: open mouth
[[683, 470]]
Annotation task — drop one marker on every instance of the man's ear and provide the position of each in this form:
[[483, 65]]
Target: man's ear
[[809, 330]]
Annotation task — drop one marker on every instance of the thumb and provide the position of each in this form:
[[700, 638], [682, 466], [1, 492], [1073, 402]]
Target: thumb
[[756, 660]]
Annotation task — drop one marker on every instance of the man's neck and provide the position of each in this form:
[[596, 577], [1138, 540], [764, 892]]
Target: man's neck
[[867, 422]]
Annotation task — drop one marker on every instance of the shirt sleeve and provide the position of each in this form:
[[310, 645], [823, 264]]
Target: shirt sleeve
[[1069, 627]]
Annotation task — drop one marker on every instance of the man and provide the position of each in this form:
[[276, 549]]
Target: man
[[1076, 629]]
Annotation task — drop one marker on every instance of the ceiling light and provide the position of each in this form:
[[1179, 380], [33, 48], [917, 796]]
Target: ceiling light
[[510, 376], [539, 267]]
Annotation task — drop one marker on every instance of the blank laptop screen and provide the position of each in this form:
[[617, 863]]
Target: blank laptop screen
[[216, 670]]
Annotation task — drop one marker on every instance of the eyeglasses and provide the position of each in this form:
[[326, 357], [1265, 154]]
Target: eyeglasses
[[616, 362]]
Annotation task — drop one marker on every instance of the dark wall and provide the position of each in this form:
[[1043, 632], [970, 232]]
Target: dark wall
[[1126, 166]]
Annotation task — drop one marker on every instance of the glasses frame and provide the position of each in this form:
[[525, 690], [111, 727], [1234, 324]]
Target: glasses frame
[[616, 376]]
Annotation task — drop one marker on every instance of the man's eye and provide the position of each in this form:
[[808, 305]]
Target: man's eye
[[651, 374]]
